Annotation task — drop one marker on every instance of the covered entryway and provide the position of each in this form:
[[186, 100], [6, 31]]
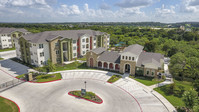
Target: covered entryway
[[127, 68], [91, 62]]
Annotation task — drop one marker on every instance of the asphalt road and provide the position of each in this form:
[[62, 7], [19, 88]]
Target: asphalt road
[[53, 97]]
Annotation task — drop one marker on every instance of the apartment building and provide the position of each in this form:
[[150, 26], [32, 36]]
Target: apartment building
[[7, 34], [58, 46]]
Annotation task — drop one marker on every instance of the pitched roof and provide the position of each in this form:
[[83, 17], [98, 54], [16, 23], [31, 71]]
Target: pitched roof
[[98, 50], [10, 30], [135, 49], [147, 57], [50, 35], [111, 56]]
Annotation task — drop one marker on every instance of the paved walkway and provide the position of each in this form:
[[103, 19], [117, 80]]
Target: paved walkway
[[8, 54]]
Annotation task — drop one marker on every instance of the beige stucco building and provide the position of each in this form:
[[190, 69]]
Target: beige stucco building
[[132, 60]]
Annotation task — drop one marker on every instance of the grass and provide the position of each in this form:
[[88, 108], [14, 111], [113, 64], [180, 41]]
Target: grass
[[82, 59], [114, 78], [7, 106], [48, 77], [20, 76], [8, 49], [176, 98], [148, 81], [1, 59], [89, 96]]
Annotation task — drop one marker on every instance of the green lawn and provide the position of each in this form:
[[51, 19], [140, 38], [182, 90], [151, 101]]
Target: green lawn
[[9, 49], [148, 81], [48, 77], [82, 59], [114, 78], [176, 98], [1, 58], [7, 106], [20, 76]]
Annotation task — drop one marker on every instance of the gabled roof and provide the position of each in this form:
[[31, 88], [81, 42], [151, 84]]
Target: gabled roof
[[98, 50], [111, 56], [134, 49], [10, 30], [147, 57], [50, 35]]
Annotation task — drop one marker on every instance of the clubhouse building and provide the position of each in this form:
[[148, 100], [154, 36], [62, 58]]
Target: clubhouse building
[[132, 60]]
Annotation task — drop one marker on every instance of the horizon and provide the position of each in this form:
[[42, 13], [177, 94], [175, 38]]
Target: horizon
[[59, 11]]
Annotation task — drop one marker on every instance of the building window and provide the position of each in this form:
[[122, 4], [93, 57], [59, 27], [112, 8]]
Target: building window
[[58, 60], [9, 40], [147, 72], [94, 38], [34, 44], [87, 40], [122, 57], [83, 46], [41, 54], [31, 52], [87, 46], [132, 58], [32, 61], [152, 73], [74, 54], [57, 51], [94, 44], [83, 40], [74, 48], [41, 46], [129, 58], [74, 41], [56, 44], [84, 52], [42, 62], [126, 57]]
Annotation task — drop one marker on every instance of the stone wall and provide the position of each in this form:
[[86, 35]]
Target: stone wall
[[132, 66], [90, 55]]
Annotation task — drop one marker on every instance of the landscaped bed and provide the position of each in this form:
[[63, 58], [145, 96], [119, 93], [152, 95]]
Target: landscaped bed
[[8, 106], [114, 78], [89, 96], [148, 81], [43, 78]]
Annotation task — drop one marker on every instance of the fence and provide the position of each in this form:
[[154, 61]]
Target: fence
[[10, 83]]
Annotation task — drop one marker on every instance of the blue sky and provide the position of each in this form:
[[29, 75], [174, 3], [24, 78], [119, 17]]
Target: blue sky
[[167, 11]]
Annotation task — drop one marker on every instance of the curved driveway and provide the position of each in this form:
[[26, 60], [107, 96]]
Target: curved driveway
[[53, 97]]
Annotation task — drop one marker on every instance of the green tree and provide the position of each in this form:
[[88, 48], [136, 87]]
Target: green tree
[[196, 85], [190, 98], [50, 66]]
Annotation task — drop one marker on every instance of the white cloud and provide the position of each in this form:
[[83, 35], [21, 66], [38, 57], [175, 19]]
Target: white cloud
[[134, 3], [162, 12], [189, 6], [69, 10]]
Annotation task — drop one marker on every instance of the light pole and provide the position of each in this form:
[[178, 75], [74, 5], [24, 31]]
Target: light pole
[[85, 84]]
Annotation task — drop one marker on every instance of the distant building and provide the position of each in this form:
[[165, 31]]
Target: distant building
[[58, 46], [7, 34], [132, 60]]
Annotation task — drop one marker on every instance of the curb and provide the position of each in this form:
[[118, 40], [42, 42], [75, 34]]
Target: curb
[[13, 102], [86, 99]]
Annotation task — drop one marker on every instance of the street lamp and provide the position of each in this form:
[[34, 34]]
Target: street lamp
[[85, 84]]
